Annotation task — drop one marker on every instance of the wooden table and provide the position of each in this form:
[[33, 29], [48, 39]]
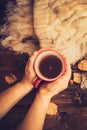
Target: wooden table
[[72, 103]]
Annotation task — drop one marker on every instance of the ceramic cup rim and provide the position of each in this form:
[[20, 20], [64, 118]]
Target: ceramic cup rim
[[51, 52]]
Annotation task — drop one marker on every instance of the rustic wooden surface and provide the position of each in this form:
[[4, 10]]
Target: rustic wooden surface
[[72, 103]]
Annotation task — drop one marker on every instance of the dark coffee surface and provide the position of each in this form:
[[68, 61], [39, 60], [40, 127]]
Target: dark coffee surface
[[50, 66]]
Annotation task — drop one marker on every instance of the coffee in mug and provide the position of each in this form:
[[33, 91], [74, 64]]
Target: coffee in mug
[[50, 66]]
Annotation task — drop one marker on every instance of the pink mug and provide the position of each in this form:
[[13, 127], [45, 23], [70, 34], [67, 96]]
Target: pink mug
[[49, 65]]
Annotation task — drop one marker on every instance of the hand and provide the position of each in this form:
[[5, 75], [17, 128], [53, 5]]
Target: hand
[[48, 90], [29, 72]]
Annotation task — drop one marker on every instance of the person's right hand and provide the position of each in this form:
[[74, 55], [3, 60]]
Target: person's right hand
[[50, 89], [30, 74]]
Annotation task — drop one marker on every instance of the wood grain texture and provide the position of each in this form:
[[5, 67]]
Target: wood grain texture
[[72, 103]]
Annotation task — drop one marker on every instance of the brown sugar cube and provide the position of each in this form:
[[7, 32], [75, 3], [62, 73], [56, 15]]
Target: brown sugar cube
[[77, 77], [10, 78], [84, 81], [83, 65], [52, 109]]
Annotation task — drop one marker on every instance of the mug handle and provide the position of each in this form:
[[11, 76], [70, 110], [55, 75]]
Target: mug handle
[[37, 82]]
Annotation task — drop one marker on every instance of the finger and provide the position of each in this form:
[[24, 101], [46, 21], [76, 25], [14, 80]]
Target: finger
[[32, 58]]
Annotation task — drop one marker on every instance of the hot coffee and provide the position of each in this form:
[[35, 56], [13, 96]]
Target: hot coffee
[[50, 66]]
